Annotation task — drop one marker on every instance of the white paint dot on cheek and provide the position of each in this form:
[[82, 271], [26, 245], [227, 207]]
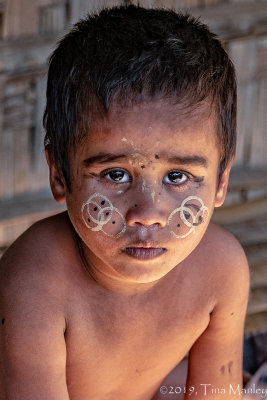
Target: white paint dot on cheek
[[99, 214], [185, 219]]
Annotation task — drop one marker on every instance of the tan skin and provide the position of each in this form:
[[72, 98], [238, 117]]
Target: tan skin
[[113, 326]]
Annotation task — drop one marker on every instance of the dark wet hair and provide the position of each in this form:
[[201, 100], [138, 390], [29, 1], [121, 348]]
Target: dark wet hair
[[129, 55]]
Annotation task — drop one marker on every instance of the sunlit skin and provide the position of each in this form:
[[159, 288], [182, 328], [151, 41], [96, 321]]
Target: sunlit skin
[[99, 214], [109, 313], [148, 146]]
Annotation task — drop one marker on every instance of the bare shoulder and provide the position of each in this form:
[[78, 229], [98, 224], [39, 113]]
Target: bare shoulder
[[32, 284], [223, 244], [33, 315], [34, 263], [216, 356], [226, 263], [40, 243], [223, 248]]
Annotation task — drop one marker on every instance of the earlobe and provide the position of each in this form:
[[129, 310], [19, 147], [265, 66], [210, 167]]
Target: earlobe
[[222, 188], [57, 182]]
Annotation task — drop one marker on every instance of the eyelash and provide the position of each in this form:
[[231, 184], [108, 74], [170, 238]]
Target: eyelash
[[190, 177], [103, 175]]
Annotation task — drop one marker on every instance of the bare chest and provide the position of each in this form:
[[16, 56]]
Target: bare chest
[[127, 353]]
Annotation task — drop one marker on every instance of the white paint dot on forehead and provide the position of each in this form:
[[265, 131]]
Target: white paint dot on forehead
[[185, 219], [131, 144], [99, 214]]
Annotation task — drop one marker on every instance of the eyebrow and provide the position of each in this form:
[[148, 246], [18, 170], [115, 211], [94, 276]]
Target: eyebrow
[[104, 158], [187, 160]]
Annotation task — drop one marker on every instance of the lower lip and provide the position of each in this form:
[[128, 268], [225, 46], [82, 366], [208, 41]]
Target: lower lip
[[143, 253]]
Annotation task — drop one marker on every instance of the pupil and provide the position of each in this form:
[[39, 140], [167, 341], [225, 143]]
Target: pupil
[[175, 176], [116, 175]]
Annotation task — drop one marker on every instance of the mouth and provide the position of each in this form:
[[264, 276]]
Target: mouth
[[144, 253]]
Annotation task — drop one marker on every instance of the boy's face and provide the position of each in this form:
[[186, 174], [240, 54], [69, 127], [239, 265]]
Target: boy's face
[[144, 184]]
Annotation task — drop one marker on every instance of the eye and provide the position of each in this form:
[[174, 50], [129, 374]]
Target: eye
[[118, 175], [175, 178]]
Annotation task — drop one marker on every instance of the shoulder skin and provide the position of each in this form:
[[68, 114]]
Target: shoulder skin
[[32, 311], [215, 359]]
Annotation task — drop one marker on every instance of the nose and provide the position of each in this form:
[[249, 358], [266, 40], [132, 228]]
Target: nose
[[146, 213]]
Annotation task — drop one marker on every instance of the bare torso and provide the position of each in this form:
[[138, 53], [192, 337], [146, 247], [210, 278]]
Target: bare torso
[[117, 346], [123, 348]]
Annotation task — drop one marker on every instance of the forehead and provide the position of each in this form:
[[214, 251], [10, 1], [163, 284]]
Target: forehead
[[157, 124]]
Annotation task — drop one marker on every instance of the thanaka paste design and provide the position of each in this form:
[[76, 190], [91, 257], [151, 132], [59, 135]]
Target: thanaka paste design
[[99, 214], [184, 219]]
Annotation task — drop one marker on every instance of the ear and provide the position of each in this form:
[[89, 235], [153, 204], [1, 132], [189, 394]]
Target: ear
[[222, 188], [57, 182]]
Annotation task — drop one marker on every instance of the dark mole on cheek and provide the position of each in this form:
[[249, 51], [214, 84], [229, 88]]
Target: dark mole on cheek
[[135, 205], [156, 157], [232, 313], [142, 166], [3, 321]]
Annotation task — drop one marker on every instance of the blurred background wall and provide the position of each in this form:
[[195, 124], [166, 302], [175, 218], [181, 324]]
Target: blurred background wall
[[29, 30]]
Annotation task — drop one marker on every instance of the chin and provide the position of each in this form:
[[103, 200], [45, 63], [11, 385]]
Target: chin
[[144, 273]]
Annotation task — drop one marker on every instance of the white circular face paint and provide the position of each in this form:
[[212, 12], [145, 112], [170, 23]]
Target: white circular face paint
[[99, 214], [185, 219]]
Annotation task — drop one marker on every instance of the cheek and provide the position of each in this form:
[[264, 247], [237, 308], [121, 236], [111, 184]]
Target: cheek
[[188, 218], [99, 214]]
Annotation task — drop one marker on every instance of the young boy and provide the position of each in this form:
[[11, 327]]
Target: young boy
[[103, 301]]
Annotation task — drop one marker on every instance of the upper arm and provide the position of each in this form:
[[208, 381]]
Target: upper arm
[[215, 360], [32, 345]]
